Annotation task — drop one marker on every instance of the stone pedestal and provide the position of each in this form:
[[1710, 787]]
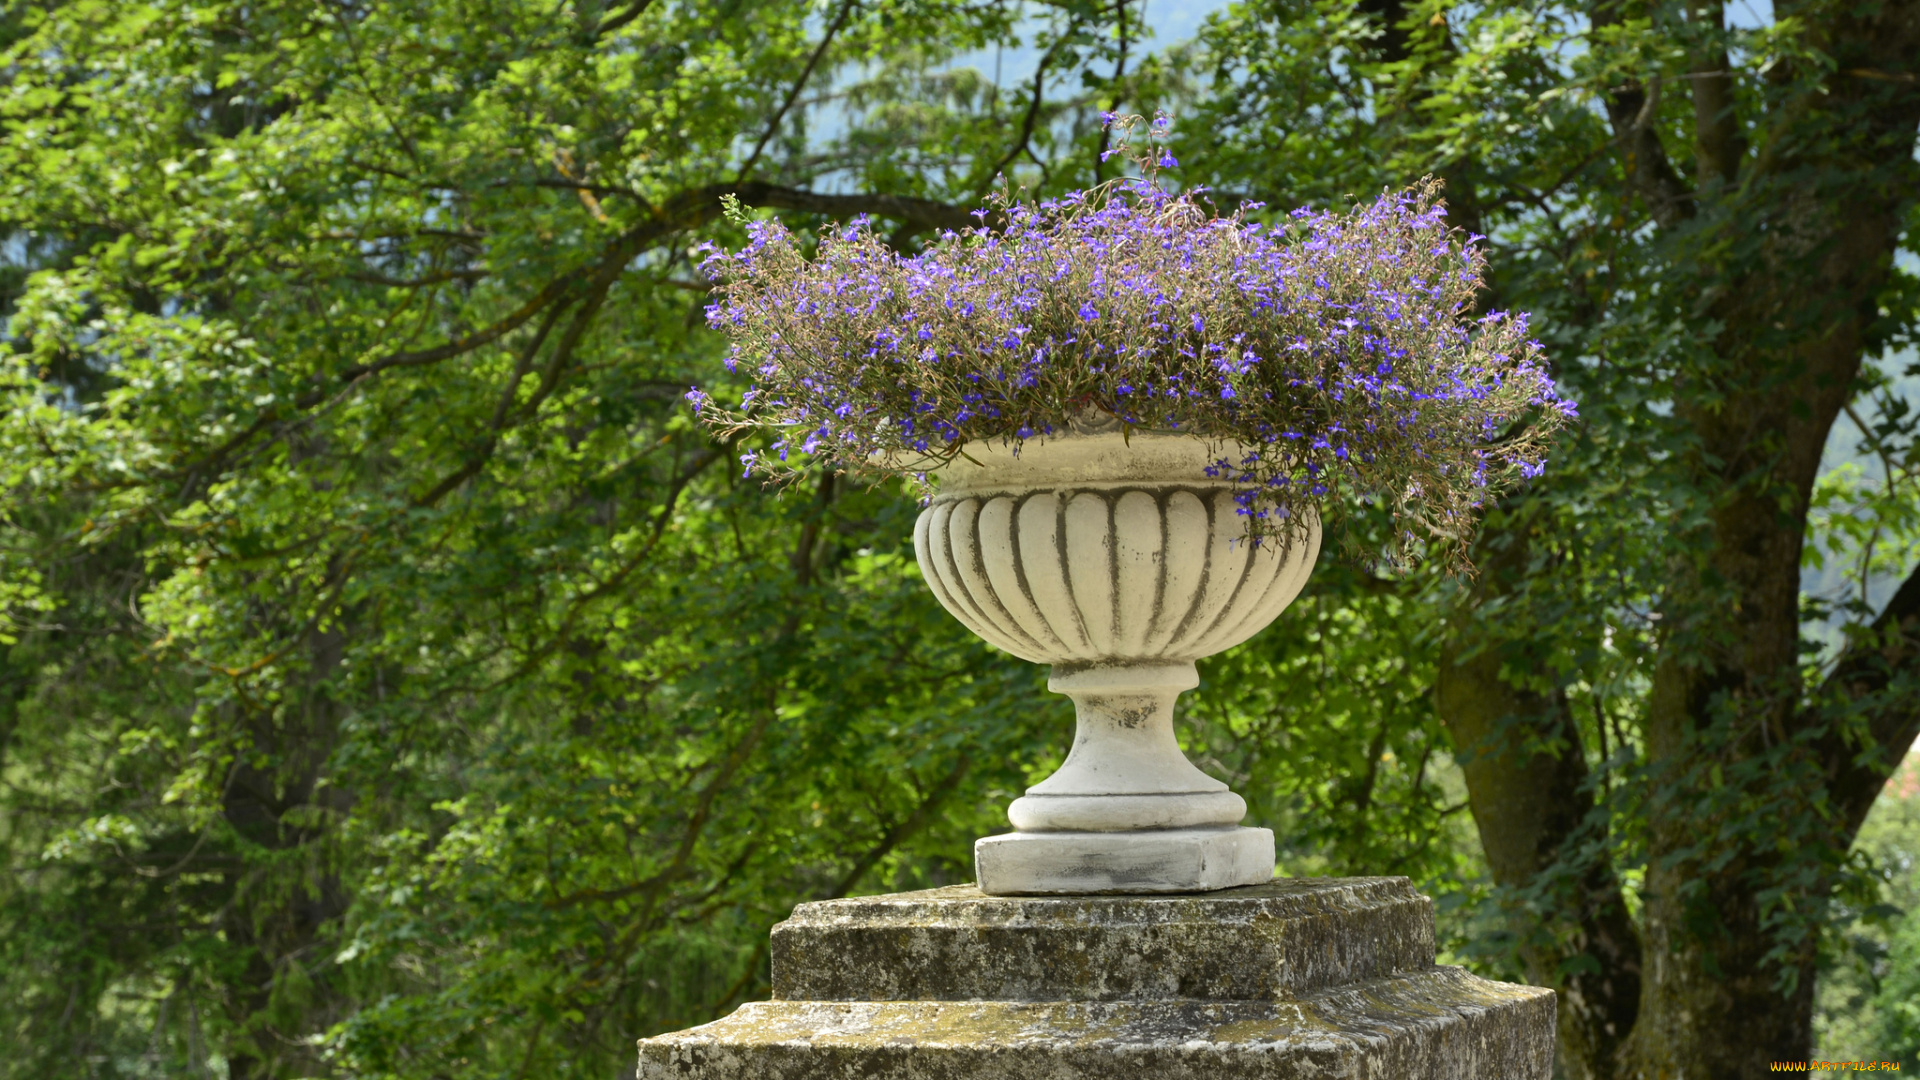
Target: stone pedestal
[[1317, 977]]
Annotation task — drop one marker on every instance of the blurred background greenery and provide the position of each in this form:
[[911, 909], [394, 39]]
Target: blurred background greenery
[[396, 682]]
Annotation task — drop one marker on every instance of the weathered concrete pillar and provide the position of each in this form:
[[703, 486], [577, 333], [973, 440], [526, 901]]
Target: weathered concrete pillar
[[1313, 977]]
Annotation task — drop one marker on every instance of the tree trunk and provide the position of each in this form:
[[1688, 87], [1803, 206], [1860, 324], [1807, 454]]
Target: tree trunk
[[1789, 248], [1531, 795], [278, 912], [1730, 987]]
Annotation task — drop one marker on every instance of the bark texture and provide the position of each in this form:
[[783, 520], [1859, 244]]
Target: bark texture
[[1791, 220], [1529, 790]]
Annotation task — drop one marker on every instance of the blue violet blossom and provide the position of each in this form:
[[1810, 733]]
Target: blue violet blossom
[[1338, 349]]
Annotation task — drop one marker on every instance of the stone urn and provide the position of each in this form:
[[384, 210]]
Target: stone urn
[[1119, 561]]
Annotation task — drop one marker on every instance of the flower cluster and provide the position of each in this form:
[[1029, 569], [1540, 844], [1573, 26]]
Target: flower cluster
[[1335, 349]]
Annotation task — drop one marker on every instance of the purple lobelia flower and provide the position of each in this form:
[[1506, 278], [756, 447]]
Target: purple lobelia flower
[[1336, 348]]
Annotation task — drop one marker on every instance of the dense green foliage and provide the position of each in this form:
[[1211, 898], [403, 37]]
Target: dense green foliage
[[1871, 990], [396, 681]]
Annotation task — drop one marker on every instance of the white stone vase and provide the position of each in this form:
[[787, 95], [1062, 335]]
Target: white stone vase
[[1120, 562]]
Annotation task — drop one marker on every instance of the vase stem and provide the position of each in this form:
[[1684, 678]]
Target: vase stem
[[1126, 770]]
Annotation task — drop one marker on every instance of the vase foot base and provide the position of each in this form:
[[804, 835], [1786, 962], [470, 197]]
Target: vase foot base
[[1144, 861]]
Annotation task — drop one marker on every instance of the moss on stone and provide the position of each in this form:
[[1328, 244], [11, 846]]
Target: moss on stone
[[1260, 942], [1318, 978], [1441, 1024]]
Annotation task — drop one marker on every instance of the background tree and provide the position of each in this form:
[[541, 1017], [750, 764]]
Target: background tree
[[1628, 684], [395, 682], [408, 688]]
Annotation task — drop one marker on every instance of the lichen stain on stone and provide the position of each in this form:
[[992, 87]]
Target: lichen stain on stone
[[1134, 1041], [1296, 980], [1272, 941], [1288, 1023]]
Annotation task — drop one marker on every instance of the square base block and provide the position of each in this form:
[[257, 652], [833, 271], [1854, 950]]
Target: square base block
[[1144, 861], [1441, 1024], [1283, 939], [1293, 979]]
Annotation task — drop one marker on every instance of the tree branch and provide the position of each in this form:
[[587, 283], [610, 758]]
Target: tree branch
[[621, 18], [793, 93], [503, 408], [1632, 109], [416, 283], [903, 828], [697, 465], [553, 291], [688, 210], [1021, 143], [906, 208], [1878, 676], [1718, 144]]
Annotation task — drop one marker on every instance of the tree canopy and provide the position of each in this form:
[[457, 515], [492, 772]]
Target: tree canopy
[[397, 681]]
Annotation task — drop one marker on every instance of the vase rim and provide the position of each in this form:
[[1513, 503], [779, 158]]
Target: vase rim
[[1080, 458]]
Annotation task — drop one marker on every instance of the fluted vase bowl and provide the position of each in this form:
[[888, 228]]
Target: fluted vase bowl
[[1119, 561]]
